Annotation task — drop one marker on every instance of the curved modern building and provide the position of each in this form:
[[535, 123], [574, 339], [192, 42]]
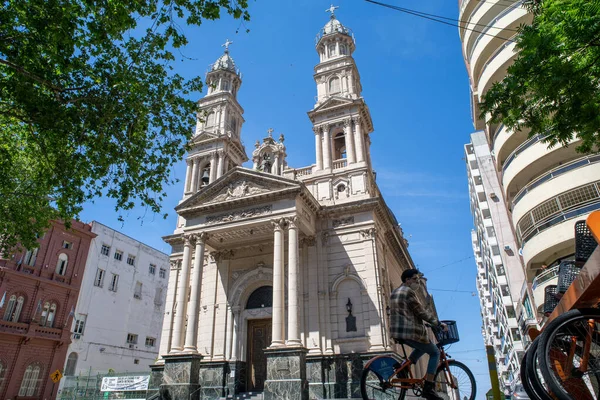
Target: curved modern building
[[544, 190]]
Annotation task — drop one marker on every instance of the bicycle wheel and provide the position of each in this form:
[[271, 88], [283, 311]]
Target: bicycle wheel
[[569, 355], [531, 378], [463, 385], [373, 386]]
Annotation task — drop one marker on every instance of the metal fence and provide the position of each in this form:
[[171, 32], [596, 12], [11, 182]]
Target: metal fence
[[88, 387]]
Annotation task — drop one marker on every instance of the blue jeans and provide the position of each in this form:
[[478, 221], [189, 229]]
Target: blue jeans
[[424, 348]]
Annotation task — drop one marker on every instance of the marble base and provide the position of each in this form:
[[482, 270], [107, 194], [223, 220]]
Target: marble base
[[180, 375], [286, 374], [336, 376], [236, 380], [213, 377]]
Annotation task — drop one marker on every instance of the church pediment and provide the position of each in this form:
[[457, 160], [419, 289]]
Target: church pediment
[[332, 103], [202, 137], [238, 185]]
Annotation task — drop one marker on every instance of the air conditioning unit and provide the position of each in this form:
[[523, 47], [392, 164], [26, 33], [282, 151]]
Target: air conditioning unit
[[77, 336], [507, 248], [493, 196], [131, 345]]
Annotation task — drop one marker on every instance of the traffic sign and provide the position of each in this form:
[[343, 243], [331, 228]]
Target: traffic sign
[[56, 376]]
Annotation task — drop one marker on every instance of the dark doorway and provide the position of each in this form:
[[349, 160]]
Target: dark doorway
[[259, 338]]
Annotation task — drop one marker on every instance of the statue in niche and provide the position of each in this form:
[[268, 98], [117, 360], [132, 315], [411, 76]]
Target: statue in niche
[[350, 319], [266, 163]]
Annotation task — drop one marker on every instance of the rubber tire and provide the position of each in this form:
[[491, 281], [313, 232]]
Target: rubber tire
[[363, 384], [546, 340], [529, 374], [462, 366]]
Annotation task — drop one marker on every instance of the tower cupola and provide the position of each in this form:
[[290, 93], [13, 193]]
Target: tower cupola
[[334, 39], [223, 76]]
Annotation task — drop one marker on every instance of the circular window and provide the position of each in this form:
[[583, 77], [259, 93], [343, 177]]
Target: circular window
[[341, 188]]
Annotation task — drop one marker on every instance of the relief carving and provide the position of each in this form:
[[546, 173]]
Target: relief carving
[[238, 190], [342, 221], [237, 215]]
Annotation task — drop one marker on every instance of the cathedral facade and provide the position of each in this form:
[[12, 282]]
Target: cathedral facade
[[280, 277]]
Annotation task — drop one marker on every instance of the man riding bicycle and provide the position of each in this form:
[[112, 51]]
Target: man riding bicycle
[[408, 317]]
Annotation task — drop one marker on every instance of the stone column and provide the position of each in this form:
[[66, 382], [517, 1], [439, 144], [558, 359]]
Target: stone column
[[191, 334], [228, 333], [220, 164], [349, 141], [326, 147], [318, 147], [234, 334], [213, 167], [277, 336], [351, 83], [188, 176], [359, 141], [194, 182], [180, 312], [276, 165], [293, 306]]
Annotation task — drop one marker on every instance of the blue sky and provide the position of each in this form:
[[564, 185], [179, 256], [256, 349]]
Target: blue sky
[[415, 83]]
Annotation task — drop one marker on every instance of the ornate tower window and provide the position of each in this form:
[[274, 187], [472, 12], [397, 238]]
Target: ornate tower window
[[339, 146], [334, 85]]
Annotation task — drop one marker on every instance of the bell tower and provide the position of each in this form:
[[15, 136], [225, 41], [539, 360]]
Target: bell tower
[[216, 146], [341, 119]]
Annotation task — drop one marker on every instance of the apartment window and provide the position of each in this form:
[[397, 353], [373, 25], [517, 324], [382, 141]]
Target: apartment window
[[150, 341], [67, 245], [99, 280], [48, 314], [162, 273], [71, 364], [31, 380], [118, 255], [114, 283], [105, 250], [136, 360], [137, 294], [130, 259], [30, 257], [152, 269], [495, 250], [61, 265], [2, 373], [13, 308], [131, 338], [80, 324], [158, 297]]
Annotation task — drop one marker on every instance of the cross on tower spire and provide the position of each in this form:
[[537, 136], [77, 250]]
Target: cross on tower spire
[[226, 45], [270, 132], [332, 9]]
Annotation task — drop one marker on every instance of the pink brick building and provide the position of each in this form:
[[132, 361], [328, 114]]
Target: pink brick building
[[38, 290]]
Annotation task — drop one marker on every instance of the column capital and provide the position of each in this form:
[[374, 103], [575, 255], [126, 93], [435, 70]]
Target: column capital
[[347, 122], [188, 239], [317, 129], [356, 119], [308, 241], [278, 224], [174, 264], [292, 222], [200, 237]]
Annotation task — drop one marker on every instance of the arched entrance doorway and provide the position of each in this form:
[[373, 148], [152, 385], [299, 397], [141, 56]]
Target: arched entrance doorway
[[259, 338]]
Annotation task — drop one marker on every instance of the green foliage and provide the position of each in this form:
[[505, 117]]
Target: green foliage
[[553, 87], [90, 105]]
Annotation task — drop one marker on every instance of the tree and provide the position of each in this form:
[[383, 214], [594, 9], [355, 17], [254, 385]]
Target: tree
[[553, 87], [90, 105]]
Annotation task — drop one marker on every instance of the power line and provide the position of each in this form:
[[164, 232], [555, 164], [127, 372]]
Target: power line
[[433, 17], [449, 264], [455, 291]]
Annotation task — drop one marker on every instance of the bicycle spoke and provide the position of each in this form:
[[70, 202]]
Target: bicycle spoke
[[462, 383], [377, 390]]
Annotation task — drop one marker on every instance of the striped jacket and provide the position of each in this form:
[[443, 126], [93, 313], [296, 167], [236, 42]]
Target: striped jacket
[[408, 316]]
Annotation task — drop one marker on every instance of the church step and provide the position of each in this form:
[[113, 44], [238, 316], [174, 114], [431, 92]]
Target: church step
[[245, 396]]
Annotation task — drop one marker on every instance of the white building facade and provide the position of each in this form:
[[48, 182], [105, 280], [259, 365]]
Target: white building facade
[[118, 318], [280, 277], [500, 272], [544, 190]]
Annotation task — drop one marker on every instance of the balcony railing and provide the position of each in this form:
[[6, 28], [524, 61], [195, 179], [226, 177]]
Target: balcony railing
[[544, 277], [337, 164], [491, 24], [524, 146], [553, 174]]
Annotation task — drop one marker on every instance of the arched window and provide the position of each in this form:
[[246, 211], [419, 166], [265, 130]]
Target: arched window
[[260, 298], [48, 314], [225, 85], [210, 120], [334, 85], [13, 308], [31, 380], [339, 146], [343, 49], [267, 163], [61, 265], [331, 50], [71, 364], [205, 175], [31, 256]]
